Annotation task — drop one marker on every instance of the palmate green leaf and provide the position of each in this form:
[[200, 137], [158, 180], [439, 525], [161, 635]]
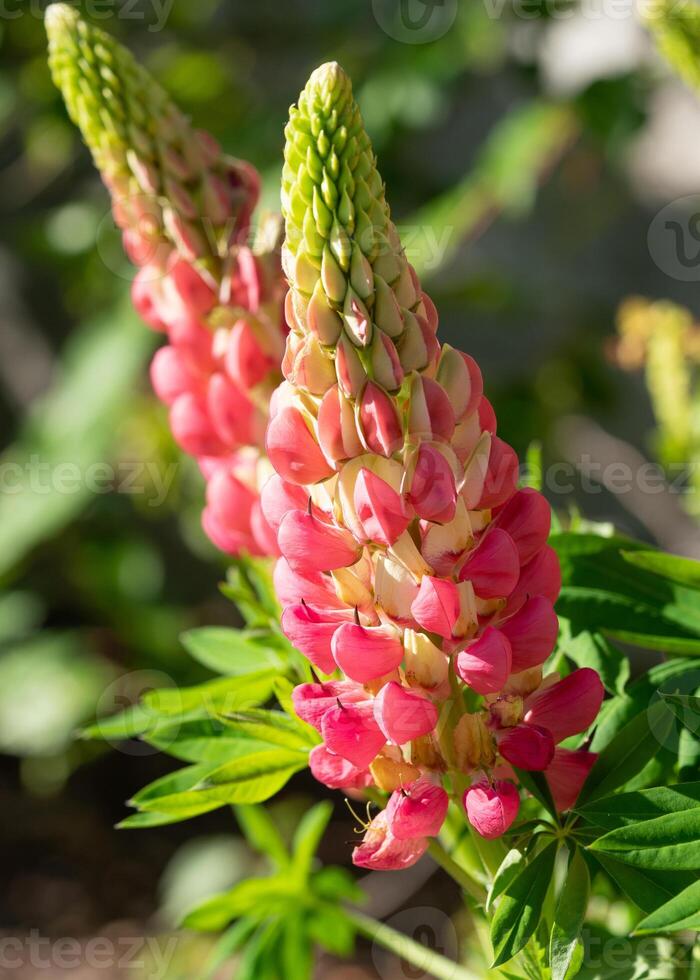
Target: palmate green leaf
[[628, 752], [511, 865], [234, 652], [681, 912], [589, 649], [215, 697], [667, 843], [646, 888], [674, 568], [337, 884], [665, 677], [331, 929], [295, 949], [569, 916], [205, 741], [232, 940], [254, 778], [308, 836], [254, 896], [261, 832], [600, 586], [134, 721], [611, 812], [686, 707], [274, 727], [520, 907]]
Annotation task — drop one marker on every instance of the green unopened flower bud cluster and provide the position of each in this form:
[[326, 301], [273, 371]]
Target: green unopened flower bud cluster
[[167, 181], [352, 287]]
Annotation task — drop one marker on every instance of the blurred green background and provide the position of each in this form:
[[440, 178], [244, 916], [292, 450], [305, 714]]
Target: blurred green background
[[527, 151]]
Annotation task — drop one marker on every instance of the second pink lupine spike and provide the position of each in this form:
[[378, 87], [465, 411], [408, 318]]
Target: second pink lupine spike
[[406, 546]]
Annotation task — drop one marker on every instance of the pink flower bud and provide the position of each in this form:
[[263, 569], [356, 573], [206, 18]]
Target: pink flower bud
[[335, 772], [527, 518], [337, 431], [277, 497], [264, 534], [311, 587], [311, 631], [196, 295], [417, 811], [230, 499], [312, 701], [192, 427], [501, 476], [433, 493], [246, 362], [380, 428], [171, 375], [403, 715], [292, 449], [145, 296], [491, 809], [460, 376], [349, 730], [230, 540], [487, 416], [485, 663], [541, 576], [235, 419], [526, 746], [381, 851], [348, 368], [566, 774], [311, 545], [569, 706], [532, 633], [366, 652], [440, 410], [437, 606], [493, 567], [380, 509]]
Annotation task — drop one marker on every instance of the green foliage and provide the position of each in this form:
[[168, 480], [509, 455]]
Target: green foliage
[[569, 916], [520, 908]]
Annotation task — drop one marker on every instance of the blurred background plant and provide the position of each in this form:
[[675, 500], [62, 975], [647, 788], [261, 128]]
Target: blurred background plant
[[528, 158]]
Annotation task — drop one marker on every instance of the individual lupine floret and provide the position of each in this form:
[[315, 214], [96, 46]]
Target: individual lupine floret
[[184, 209], [412, 568]]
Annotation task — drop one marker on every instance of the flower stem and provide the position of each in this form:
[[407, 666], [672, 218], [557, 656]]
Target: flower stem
[[408, 949], [441, 857]]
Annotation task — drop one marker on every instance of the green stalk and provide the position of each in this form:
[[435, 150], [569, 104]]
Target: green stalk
[[408, 949], [441, 857]]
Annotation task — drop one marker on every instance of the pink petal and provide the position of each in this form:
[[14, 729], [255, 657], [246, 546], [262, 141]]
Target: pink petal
[[277, 497], [311, 630], [381, 851], [527, 517], [349, 730], [292, 449], [501, 476], [493, 568], [366, 652], [487, 416], [311, 545], [485, 663], [433, 492], [403, 715], [437, 606], [312, 701], [569, 706], [337, 432], [541, 576], [246, 362], [335, 772], [312, 587], [171, 374], [527, 746], [440, 411], [194, 292], [379, 421], [380, 509], [192, 427], [491, 809], [532, 633], [566, 775], [417, 811], [236, 420]]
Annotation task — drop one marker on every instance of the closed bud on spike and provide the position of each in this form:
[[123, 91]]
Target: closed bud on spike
[[311, 368], [473, 744], [348, 368], [461, 379], [337, 431], [380, 510], [379, 424], [424, 663], [322, 320], [492, 808], [384, 362]]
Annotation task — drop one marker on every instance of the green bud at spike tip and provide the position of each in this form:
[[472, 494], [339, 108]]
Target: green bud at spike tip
[[168, 182], [342, 256]]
